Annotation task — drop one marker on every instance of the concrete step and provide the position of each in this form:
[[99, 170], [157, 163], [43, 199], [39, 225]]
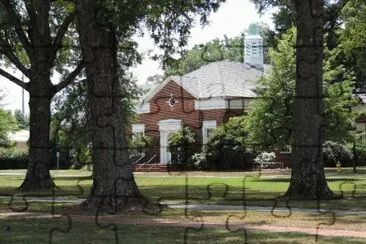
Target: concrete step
[[156, 168]]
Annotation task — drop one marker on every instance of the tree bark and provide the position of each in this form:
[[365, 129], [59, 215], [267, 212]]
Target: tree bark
[[38, 175], [308, 178], [41, 91], [114, 185], [41, 48]]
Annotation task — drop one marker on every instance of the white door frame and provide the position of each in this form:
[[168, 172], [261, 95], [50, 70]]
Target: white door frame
[[166, 127]]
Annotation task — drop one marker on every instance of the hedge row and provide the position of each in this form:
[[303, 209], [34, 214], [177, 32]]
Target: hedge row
[[11, 159]]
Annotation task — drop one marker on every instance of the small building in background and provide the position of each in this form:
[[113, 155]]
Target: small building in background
[[203, 99]]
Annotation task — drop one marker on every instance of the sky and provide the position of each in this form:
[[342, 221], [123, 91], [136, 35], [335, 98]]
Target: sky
[[231, 19]]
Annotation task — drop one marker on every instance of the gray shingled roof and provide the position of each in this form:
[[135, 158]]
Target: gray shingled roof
[[217, 79]]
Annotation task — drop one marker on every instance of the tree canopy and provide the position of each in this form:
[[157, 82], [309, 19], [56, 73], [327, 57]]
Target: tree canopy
[[36, 39], [104, 27], [353, 39], [270, 121], [216, 50]]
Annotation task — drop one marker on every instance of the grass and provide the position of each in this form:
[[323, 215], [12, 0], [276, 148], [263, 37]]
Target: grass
[[209, 187], [202, 187], [56, 230]]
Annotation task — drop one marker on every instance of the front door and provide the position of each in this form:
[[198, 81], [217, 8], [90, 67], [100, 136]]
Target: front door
[[167, 128]]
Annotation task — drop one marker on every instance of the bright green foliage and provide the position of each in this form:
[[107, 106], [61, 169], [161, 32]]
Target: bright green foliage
[[15, 48], [334, 152], [70, 126], [353, 39], [344, 27], [339, 99], [182, 145], [168, 23], [139, 143], [270, 121], [227, 147], [11, 158], [354, 32], [70, 131], [23, 121], [230, 135], [8, 124]]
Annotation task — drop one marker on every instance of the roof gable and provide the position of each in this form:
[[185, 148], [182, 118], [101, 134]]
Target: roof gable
[[216, 79], [177, 79]]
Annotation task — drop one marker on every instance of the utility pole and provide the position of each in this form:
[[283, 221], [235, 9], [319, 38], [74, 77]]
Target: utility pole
[[23, 98]]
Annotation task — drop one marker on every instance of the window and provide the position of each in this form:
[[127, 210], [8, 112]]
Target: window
[[138, 129], [208, 127], [209, 132]]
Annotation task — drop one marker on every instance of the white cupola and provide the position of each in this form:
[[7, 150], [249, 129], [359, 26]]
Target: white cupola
[[253, 43]]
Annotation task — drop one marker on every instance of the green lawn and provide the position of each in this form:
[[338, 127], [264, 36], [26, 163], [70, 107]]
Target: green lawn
[[42, 231], [211, 187], [202, 187], [32, 232]]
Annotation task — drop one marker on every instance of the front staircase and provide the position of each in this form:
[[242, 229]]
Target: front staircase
[[149, 166], [155, 167]]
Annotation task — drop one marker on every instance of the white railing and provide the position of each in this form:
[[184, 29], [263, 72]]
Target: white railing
[[145, 163], [139, 159]]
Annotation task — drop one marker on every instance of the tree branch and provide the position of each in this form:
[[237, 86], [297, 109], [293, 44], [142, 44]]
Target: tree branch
[[61, 32], [12, 78], [333, 13], [70, 78], [18, 26], [15, 60]]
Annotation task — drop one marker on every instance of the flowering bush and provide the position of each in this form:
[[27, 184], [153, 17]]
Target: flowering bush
[[334, 152], [199, 161], [265, 158]]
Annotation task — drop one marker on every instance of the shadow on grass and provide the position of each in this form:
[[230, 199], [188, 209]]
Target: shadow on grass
[[287, 180], [38, 231]]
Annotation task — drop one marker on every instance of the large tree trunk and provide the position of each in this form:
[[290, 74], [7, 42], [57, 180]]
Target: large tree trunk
[[41, 48], [41, 92], [113, 180], [38, 175], [307, 178]]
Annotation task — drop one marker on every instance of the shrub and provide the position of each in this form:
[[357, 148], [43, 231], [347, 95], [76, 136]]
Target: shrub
[[227, 147], [83, 158], [334, 151], [199, 160], [265, 158], [13, 159], [182, 146], [360, 155], [139, 144]]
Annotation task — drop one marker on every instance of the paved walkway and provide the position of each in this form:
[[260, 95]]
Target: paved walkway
[[12, 173], [215, 207], [122, 219], [207, 207]]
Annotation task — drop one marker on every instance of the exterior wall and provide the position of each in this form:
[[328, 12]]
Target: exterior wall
[[184, 109], [285, 158]]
